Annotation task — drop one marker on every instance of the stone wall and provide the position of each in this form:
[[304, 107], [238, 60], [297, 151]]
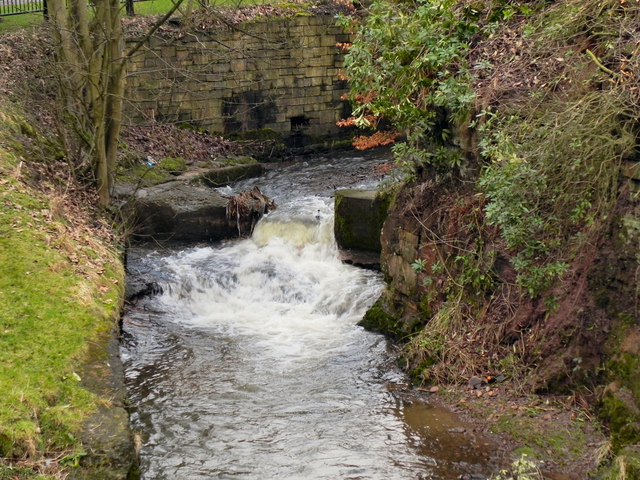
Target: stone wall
[[275, 73], [359, 216]]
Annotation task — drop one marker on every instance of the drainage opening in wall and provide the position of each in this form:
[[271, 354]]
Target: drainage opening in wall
[[298, 123], [297, 138]]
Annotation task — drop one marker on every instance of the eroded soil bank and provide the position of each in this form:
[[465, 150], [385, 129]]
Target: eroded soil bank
[[565, 361]]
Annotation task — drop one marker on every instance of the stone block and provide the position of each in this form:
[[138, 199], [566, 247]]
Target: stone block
[[220, 177], [238, 66], [182, 55], [179, 98], [312, 91], [317, 81], [156, 41], [168, 51], [408, 245], [317, 71], [181, 213], [320, 61], [328, 40], [328, 117], [294, 110], [151, 62], [359, 215], [218, 67], [317, 20], [405, 279], [276, 25]]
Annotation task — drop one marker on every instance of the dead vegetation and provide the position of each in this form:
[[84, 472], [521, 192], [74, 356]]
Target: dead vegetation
[[170, 141], [562, 87], [209, 19], [246, 208], [532, 271]]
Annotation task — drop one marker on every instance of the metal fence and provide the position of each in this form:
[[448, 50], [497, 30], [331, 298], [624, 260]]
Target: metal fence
[[18, 7]]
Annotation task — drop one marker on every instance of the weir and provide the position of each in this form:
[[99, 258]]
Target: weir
[[251, 365]]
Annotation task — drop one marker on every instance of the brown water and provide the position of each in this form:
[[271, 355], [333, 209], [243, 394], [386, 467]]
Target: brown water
[[251, 365]]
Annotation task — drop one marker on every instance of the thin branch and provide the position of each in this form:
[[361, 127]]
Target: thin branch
[[152, 30], [599, 64]]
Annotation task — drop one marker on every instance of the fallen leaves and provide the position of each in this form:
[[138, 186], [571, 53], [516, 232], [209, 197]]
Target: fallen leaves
[[378, 139], [215, 17], [162, 141]]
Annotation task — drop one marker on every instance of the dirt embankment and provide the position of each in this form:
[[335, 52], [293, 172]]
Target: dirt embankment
[[564, 355]]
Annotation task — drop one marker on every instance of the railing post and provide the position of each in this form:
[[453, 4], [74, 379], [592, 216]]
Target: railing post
[[45, 9], [129, 6]]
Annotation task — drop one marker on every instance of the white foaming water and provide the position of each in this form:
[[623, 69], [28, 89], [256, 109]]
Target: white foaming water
[[285, 287], [251, 366]]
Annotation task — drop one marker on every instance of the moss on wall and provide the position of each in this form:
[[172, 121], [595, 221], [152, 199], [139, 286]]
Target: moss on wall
[[359, 216]]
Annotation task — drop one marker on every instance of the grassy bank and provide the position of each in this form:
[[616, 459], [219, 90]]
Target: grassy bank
[[60, 289]]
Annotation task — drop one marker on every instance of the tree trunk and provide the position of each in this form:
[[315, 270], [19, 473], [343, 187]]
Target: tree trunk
[[91, 68], [115, 92]]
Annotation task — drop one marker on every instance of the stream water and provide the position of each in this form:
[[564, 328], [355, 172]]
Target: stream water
[[250, 364]]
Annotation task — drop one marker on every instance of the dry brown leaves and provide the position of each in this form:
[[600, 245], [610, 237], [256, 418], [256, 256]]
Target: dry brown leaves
[[378, 139], [214, 18], [161, 141], [511, 64]]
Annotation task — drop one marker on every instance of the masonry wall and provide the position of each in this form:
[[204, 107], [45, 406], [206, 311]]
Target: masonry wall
[[276, 73]]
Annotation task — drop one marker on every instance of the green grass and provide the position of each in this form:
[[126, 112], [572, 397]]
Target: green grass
[[20, 22], [159, 7], [11, 473], [146, 7], [60, 288], [543, 439]]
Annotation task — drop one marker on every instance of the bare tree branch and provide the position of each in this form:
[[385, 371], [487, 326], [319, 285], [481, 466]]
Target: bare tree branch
[[152, 30]]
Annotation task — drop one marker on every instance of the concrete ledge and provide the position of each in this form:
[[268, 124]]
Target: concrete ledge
[[220, 177], [361, 258], [106, 435], [359, 215]]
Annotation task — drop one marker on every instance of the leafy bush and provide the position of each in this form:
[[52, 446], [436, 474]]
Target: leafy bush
[[408, 65]]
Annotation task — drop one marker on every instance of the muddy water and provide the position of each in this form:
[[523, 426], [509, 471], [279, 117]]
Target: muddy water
[[250, 364]]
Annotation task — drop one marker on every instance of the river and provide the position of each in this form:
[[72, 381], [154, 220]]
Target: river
[[250, 363]]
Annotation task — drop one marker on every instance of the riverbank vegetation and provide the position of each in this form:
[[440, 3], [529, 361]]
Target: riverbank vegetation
[[60, 290], [62, 279], [61, 287], [512, 251], [519, 119]]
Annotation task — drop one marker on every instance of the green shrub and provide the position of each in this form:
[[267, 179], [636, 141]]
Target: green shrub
[[552, 178], [408, 64]]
